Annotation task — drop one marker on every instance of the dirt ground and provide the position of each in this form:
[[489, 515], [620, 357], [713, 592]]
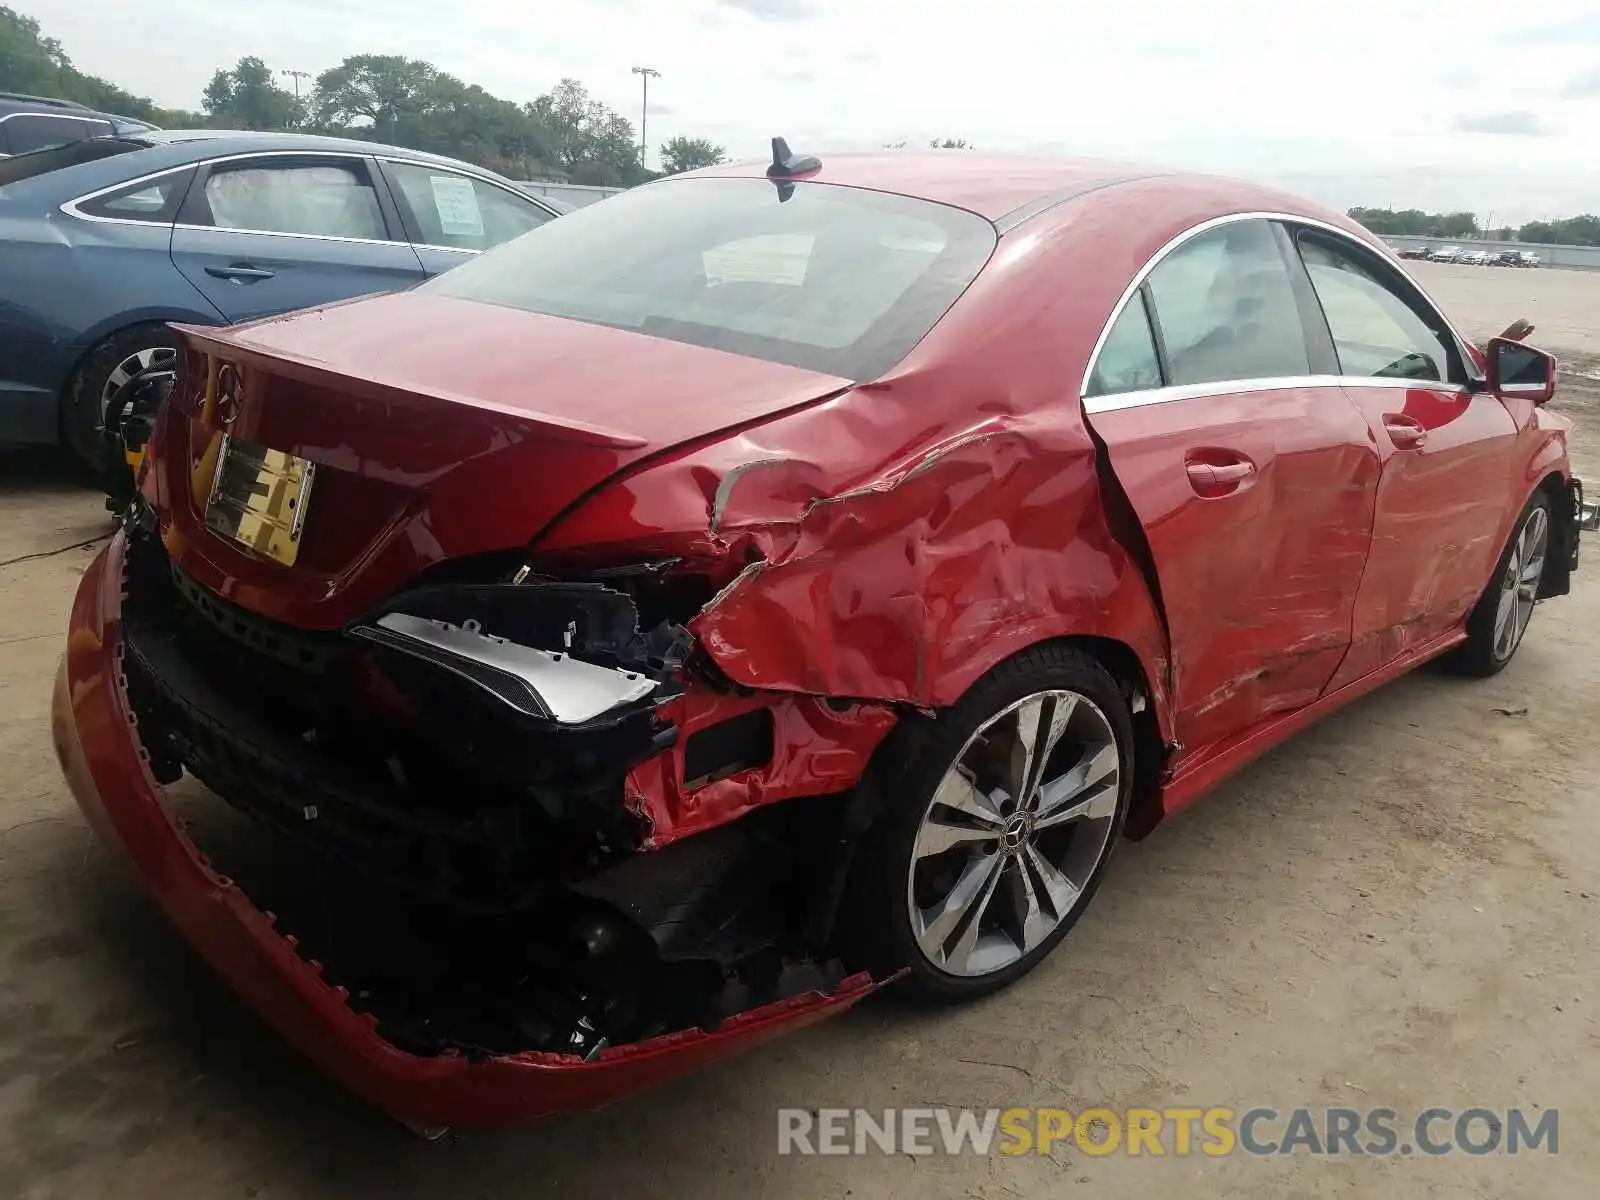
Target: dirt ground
[[1398, 909]]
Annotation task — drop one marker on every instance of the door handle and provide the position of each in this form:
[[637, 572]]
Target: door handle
[[1405, 432], [1212, 479], [240, 273]]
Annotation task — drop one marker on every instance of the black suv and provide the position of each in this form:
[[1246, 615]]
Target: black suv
[[34, 122]]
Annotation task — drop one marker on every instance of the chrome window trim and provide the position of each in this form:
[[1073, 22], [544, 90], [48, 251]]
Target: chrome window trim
[[1140, 398], [306, 237], [1211, 223], [71, 209], [450, 249], [92, 118]]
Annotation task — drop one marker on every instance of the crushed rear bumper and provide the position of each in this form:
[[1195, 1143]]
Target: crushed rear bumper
[[106, 768]]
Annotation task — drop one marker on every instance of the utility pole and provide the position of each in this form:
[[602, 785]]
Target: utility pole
[[644, 74]]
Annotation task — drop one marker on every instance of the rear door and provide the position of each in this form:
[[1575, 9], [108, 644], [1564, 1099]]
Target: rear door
[[1449, 483], [450, 216], [1251, 472], [264, 234]]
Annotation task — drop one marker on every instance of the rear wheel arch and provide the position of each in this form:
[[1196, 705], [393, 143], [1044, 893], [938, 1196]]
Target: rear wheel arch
[[1149, 746], [907, 765], [1121, 661], [1557, 579]]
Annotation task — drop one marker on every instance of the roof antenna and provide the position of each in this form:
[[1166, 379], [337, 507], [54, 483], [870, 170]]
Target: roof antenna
[[787, 165]]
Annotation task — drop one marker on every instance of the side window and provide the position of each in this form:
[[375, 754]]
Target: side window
[[1227, 308], [28, 131], [154, 200], [320, 199], [1375, 332], [460, 212], [1128, 361]]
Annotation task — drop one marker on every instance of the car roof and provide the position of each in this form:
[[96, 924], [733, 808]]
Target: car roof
[[21, 102], [246, 141], [1009, 188]]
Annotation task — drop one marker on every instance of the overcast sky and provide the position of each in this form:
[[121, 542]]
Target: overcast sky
[[1418, 103]]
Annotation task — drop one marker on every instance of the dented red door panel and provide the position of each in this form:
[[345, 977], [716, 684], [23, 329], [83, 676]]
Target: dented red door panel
[[1258, 510], [1450, 482]]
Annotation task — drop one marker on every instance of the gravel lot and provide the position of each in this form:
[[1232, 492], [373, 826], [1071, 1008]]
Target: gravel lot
[[1399, 909]]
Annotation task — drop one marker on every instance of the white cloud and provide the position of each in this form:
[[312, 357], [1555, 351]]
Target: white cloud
[[1516, 122], [1280, 91]]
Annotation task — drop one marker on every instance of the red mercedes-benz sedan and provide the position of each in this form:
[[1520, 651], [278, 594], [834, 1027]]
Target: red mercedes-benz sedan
[[769, 583]]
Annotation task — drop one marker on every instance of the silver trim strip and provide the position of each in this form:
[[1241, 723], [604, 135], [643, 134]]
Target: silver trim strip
[[87, 115], [1118, 401], [71, 206], [306, 237], [1234, 218], [571, 690]]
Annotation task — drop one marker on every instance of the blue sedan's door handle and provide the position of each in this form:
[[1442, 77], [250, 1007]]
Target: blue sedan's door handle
[[240, 273]]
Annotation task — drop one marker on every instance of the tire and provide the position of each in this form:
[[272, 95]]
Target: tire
[[906, 889], [1492, 642], [103, 369]]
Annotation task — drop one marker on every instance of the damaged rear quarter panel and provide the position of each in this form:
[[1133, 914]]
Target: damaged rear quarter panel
[[897, 541]]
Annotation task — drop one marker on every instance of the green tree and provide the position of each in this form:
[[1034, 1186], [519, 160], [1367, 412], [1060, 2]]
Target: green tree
[[680, 154], [1570, 231], [29, 61], [35, 64], [379, 90], [591, 142], [1412, 222], [248, 98], [463, 121]]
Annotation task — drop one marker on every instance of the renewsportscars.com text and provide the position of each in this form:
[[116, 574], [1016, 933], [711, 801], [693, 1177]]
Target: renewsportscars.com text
[[1175, 1131]]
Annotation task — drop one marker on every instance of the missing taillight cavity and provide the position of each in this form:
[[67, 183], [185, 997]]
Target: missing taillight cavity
[[739, 744]]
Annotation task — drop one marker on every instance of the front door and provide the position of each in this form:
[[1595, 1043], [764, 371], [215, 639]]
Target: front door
[[1447, 485], [267, 234], [1251, 472]]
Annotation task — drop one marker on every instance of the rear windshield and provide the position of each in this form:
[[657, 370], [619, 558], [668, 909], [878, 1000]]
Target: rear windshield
[[40, 162], [831, 279]]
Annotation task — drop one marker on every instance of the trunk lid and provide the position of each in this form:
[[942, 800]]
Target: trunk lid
[[435, 428]]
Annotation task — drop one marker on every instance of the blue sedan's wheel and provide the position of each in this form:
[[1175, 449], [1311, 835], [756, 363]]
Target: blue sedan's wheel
[[103, 370]]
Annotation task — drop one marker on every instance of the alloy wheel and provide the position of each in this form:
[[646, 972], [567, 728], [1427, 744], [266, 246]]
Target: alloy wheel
[[1519, 586], [1014, 833], [154, 357]]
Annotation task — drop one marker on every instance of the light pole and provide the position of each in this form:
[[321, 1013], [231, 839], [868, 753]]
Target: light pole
[[297, 76], [644, 74]]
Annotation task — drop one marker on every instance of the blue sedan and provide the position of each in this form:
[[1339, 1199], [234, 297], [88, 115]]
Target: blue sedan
[[104, 241]]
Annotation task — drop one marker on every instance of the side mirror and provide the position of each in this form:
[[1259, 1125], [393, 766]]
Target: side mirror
[[1516, 369]]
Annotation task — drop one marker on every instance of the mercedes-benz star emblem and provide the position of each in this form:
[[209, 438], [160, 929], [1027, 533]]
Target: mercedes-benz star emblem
[[229, 395]]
